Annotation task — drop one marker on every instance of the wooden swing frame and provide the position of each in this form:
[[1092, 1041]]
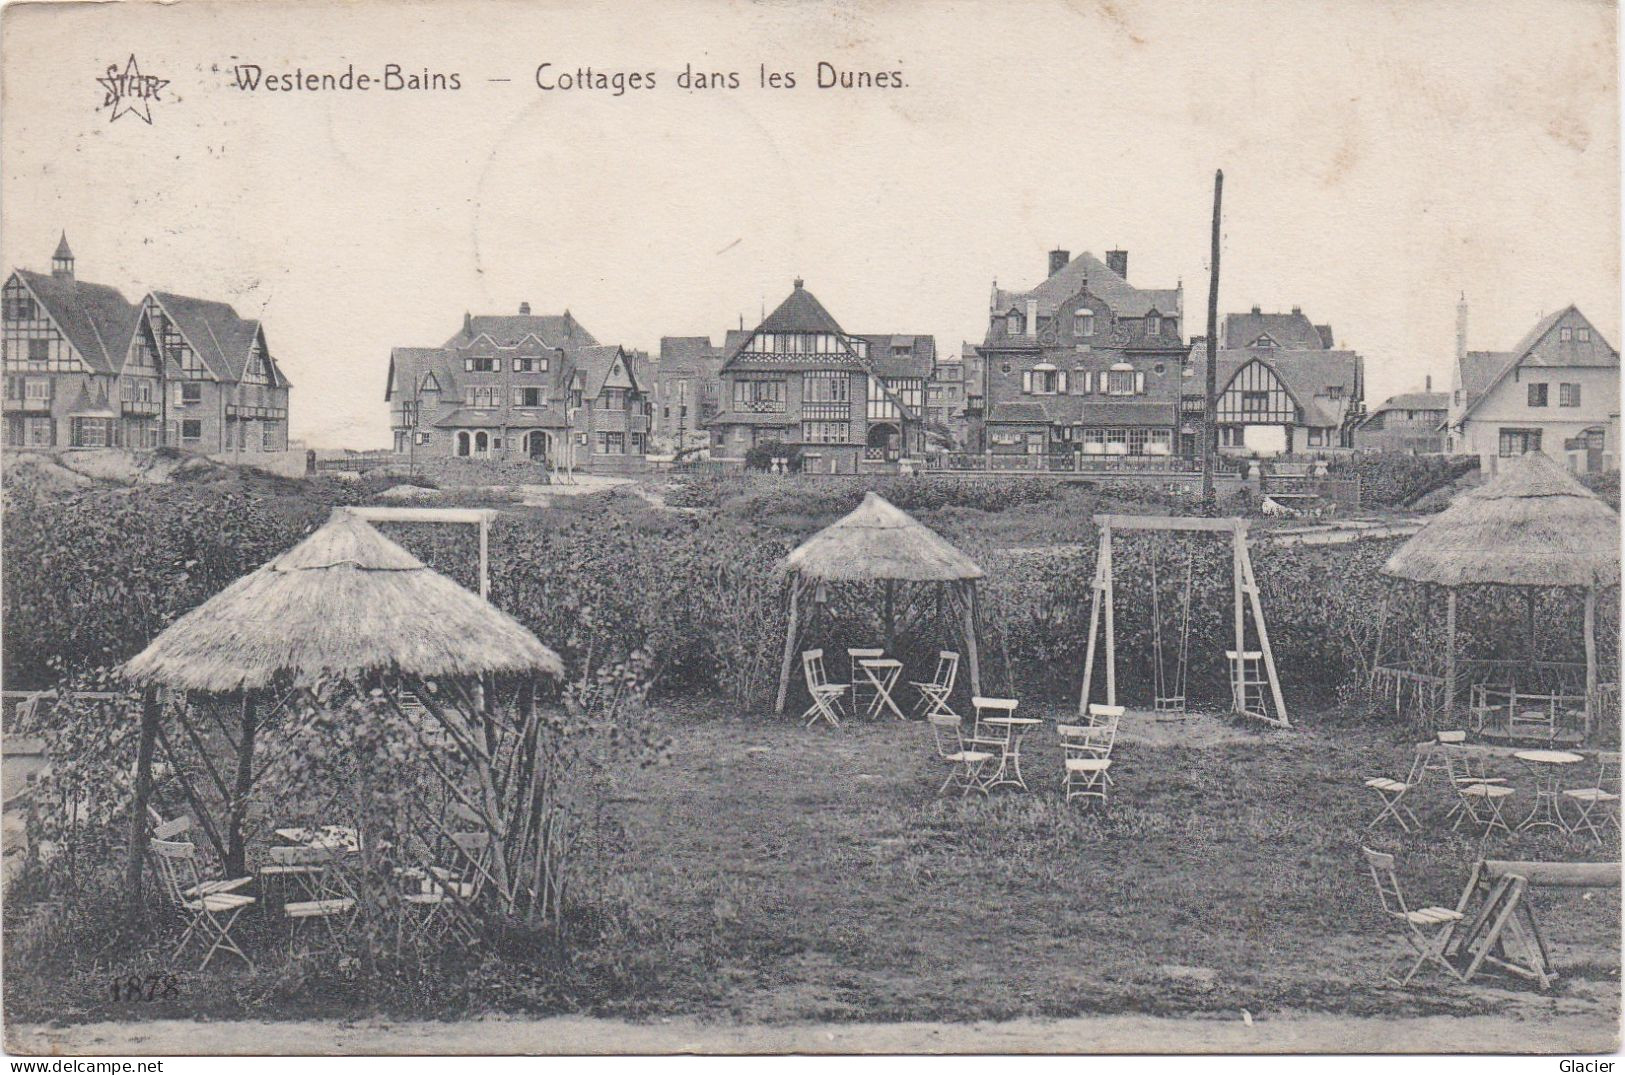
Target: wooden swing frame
[[1244, 589]]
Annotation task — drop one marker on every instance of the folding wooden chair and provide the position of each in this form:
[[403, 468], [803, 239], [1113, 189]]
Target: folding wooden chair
[[1086, 778], [1479, 796], [1429, 947], [1093, 740], [965, 764], [863, 691], [1603, 796], [212, 907], [1392, 792], [826, 696], [934, 695], [1101, 714], [446, 894]]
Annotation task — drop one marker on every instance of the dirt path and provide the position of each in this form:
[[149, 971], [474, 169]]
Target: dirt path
[[1560, 1033]]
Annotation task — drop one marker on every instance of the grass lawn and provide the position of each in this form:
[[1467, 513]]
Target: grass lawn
[[780, 873]]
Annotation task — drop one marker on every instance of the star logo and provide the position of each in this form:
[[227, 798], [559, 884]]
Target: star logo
[[129, 92]]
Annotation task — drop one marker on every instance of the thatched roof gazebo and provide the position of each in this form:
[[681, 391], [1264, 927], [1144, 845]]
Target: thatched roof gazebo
[[346, 606], [878, 542], [1531, 527]]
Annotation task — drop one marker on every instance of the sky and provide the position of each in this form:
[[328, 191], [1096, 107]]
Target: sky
[[1380, 160]]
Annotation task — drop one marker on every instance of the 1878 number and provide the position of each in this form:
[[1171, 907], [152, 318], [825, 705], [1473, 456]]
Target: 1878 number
[[144, 987]]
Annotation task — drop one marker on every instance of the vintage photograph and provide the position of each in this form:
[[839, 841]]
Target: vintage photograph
[[810, 527]]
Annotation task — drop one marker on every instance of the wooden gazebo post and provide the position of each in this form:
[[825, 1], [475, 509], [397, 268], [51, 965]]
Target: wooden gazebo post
[[1449, 651], [1591, 657], [150, 710], [796, 584]]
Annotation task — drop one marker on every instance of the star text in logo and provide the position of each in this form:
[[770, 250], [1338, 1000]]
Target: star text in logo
[[129, 91]]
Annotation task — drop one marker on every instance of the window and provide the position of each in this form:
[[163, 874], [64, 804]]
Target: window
[[614, 399], [19, 306], [1153, 325], [1043, 380], [611, 443], [1583, 335], [1136, 441], [530, 397], [1537, 395], [530, 365], [37, 389], [1565, 334], [482, 443], [429, 384], [39, 432], [1334, 391], [1083, 323], [758, 396], [1255, 402], [462, 443], [1315, 438], [189, 392], [1083, 382], [1568, 395], [825, 432], [482, 397], [1519, 441], [191, 430], [1012, 325], [39, 350], [1125, 382], [92, 432], [823, 387], [479, 364], [267, 437]]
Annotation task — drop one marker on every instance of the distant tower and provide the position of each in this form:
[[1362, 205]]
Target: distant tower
[[1461, 327], [62, 260]]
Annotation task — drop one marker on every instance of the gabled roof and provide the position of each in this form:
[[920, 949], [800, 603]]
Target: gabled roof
[[1414, 401], [594, 364], [917, 359], [1291, 332], [97, 320], [799, 312], [1541, 346], [1125, 299], [222, 339], [506, 330], [1304, 374], [408, 364], [684, 354]]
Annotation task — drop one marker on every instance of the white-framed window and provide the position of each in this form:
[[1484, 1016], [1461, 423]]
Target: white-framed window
[[1316, 439], [1583, 335], [188, 393], [1043, 380], [530, 397], [1518, 442], [482, 397], [1127, 382], [1153, 325], [37, 389], [1538, 396], [1565, 333], [532, 364], [1083, 322], [825, 432], [1083, 382], [1568, 395], [611, 443], [758, 395], [1012, 326]]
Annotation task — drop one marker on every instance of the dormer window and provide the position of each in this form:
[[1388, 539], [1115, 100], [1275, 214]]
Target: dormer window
[[1083, 322], [1263, 341], [1153, 325], [1012, 325]]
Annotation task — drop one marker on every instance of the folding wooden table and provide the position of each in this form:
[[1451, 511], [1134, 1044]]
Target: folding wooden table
[[1507, 913]]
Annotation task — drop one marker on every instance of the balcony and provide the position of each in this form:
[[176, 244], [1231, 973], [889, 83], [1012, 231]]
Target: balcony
[[32, 405], [273, 413], [146, 407]]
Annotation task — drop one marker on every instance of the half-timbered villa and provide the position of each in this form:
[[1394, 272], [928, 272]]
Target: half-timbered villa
[[847, 400], [87, 369]]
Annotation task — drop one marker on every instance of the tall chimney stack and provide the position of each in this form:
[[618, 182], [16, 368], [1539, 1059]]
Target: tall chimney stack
[[1427, 383], [524, 309], [1032, 317], [1461, 327], [1058, 260], [1117, 262]]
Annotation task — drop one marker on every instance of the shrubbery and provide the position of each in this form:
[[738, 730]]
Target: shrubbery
[[1392, 480]]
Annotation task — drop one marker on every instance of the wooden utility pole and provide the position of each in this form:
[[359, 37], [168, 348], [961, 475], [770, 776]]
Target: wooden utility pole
[[1210, 426]]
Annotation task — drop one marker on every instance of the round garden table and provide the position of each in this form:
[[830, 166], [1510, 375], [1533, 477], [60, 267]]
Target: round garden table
[[1016, 729], [1547, 768]]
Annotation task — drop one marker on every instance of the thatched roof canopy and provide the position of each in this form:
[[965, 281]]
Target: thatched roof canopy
[[345, 600], [1530, 525], [878, 541]]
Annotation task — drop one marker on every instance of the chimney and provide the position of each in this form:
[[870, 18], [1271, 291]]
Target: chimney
[[1257, 310], [1297, 311], [1058, 260], [524, 309], [468, 325], [799, 283], [1461, 327], [1427, 383], [1117, 262], [1032, 317]]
